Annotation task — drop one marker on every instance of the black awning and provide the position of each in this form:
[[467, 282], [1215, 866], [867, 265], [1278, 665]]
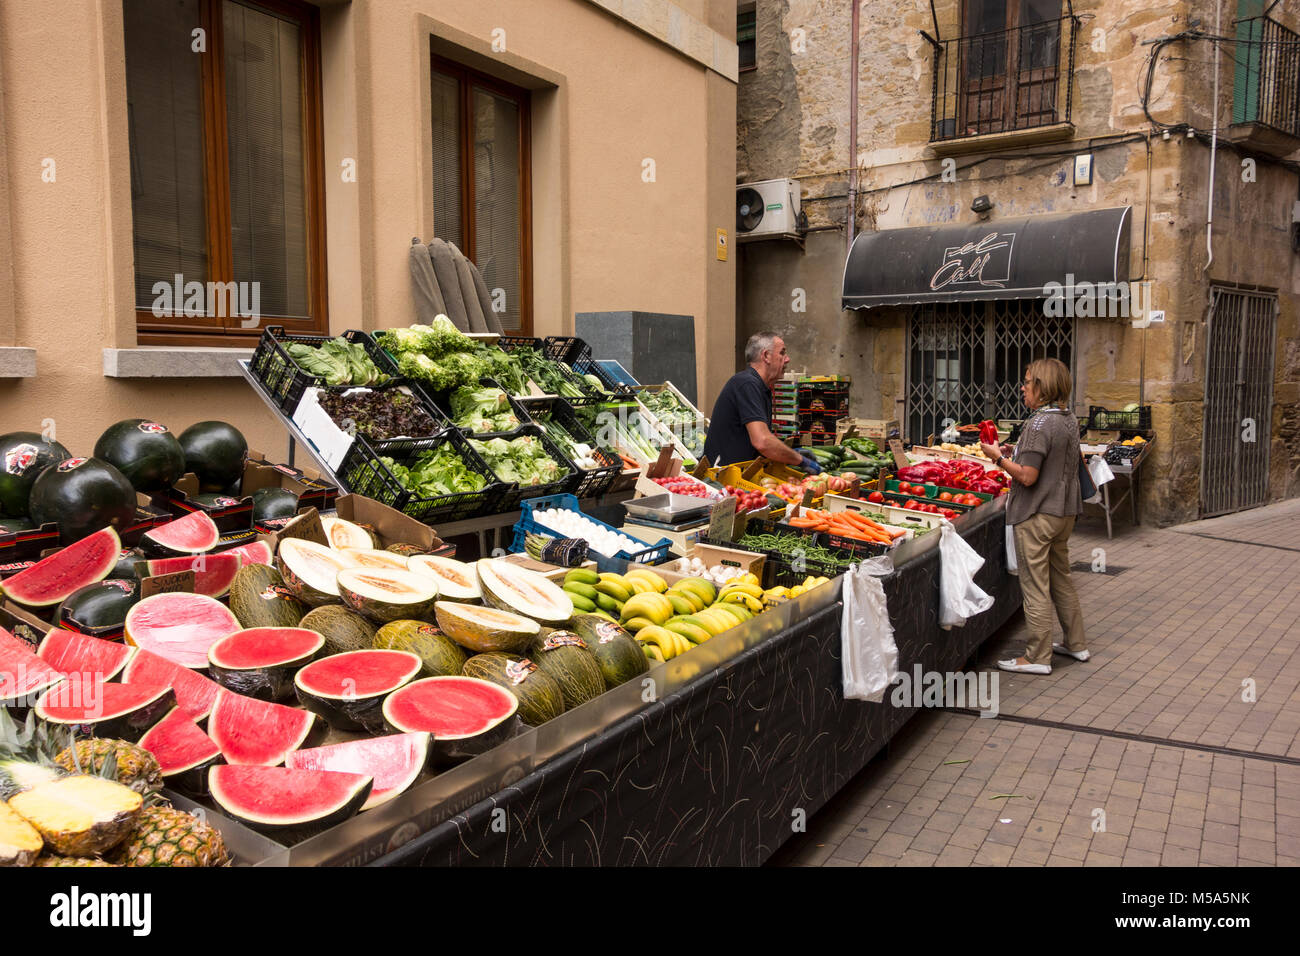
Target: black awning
[[1005, 259]]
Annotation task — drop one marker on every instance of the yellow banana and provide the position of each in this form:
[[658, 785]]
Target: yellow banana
[[637, 624], [615, 589], [645, 574], [639, 586]]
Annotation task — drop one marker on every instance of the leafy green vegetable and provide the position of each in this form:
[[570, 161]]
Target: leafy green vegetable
[[483, 410], [437, 473], [523, 460], [337, 361]]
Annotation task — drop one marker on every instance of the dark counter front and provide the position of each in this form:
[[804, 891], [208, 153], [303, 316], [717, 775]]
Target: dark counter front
[[719, 772]]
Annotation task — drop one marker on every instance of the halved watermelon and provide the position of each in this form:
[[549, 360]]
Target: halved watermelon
[[100, 709], [394, 761], [50, 580], [179, 626], [257, 732], [278, 798], [212, 572], [193, 534], [348, 690], [23, 675], [70, 652], [183, 751], [466, 716], [195, 694], [259, 552], [261, 661]]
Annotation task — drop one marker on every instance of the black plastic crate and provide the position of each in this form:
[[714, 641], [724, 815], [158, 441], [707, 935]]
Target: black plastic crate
[[508, 343], [616, 389], [440, 418], [586, 484], [781, 574], [566, 348], [285, 380], [1103, 419], [443, 403], [515, 493], [363, 473]]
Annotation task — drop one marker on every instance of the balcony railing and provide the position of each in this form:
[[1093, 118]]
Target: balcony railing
[[1267, 78], [1000, 82]]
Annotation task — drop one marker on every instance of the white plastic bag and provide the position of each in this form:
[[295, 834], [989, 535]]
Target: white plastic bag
[[1012, 566], [867, 648], [959, 597], [1101, 473]]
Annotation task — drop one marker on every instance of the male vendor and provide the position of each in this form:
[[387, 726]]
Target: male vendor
[[739, 429]]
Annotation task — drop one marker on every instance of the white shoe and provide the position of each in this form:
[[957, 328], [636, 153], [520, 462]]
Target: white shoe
[[1077, 655], [1011, 665]]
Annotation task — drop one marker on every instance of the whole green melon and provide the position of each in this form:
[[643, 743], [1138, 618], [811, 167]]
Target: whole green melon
[[274, 503], [258, 598], [83, 495], [215, 452], [442, 656], [540, 697], [23, 456], [616, 651], [146, 452], [344, 630], [566, 657]]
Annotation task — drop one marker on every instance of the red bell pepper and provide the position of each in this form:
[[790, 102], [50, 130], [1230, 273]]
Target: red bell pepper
[[989, 432]]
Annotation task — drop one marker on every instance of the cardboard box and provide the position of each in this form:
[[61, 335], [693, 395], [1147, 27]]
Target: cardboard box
[[389, 524], [23, 624], [308, 484], [877, 429], [668, 465], [714, 556]]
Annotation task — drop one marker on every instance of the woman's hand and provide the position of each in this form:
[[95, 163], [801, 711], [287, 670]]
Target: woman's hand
[[993, 452]]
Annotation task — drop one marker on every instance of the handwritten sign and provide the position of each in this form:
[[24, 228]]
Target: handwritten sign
[[722, 519], [177, 581], [900, 456], [307, 526]]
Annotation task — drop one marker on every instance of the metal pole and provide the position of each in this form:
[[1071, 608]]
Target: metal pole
[[852, 216]]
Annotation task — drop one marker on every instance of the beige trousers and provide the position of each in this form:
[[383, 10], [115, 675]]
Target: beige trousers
[[1043, 561]]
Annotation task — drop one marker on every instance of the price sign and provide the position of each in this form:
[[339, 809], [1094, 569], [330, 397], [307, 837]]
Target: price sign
[[722, 519]]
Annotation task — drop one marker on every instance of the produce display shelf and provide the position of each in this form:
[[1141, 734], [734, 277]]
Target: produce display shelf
[[296, 436]]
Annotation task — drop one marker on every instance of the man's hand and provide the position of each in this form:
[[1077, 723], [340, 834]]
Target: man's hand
[[810, 465], [771, 447]]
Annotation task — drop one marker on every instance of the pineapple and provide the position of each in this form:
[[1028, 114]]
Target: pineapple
[[136, 767], [20, 844], [24, 756], [51, 860], [165, 836], [80, 815]]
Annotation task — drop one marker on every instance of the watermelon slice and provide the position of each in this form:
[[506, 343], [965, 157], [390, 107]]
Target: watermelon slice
[[394, 762], [261, 661], [184, 752], [212, 572], [278, 798], [193, 534], [23, 675], [466, 716], [257, 732], [179, 626], [258, 552], [348, 690], [50, 580], [195, 694], [71, 653], [100, 709]]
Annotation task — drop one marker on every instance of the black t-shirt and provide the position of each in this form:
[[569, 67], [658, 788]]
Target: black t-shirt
[[744, 399]]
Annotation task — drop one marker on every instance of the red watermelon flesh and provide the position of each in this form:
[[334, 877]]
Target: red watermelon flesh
[[180, 627], [71, 652], [195, 694], [450, 707], [105, 709], [357, 674], [212, 572], [52, 579], [265, 647], [271, 798], [22, 672], [192, 534], [258, 552], [179, 744], [257, 732], [394, 762]]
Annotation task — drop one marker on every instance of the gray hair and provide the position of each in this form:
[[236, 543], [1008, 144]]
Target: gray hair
[[758, 343]]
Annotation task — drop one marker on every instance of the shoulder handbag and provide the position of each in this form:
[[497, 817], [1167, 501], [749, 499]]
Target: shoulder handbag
[[1087, 487]]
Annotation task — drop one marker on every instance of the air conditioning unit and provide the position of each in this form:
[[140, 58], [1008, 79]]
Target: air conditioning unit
[[767, 210]]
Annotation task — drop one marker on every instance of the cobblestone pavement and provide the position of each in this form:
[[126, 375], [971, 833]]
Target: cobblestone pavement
[[1152, 753]]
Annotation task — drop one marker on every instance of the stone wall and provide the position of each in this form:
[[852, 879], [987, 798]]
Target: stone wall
[[1164, 180]]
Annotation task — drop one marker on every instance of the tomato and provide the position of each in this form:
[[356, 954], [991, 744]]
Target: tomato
[[945, 496], [910, 505], [876, 496]]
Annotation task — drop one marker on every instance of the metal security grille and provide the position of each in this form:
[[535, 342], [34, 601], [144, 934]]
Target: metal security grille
[[966, 359], [1238, 400]]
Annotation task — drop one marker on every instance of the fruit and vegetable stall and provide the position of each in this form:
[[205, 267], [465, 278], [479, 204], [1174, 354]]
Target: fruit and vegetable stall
[[208, 658]]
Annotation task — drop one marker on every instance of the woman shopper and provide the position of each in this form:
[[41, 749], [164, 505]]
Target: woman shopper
[[1042, 506]]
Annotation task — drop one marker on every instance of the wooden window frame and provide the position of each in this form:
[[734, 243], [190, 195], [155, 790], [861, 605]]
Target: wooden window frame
[[466, 80], [1007, 85], [209, 331]]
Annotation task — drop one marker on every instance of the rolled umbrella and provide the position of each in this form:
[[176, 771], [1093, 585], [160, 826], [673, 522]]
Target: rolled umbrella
[[444, 269], [468, 293], [490, 316], [429, 303]]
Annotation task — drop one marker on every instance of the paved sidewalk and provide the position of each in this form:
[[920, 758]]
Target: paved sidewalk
[[1177, 744]]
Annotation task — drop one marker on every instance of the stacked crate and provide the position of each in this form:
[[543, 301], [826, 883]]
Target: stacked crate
[[785, 409], [821, 401]]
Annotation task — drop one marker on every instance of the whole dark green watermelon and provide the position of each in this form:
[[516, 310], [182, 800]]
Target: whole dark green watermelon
[[274, 503], [82, 495], [97, 606], [146, 452], [23, 456], [215, 452], [127, 559]]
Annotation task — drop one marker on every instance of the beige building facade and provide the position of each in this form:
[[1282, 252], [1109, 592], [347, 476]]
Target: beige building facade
[[1047, 109], [625, 161]]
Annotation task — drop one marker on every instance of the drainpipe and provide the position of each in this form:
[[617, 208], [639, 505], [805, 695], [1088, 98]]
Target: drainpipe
[[853, 128], [1214, 140]]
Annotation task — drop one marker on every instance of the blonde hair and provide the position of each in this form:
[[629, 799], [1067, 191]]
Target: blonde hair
[[1051, 378]]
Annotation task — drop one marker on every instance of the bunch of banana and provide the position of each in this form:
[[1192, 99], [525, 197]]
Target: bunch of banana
[[661, 644], [607, 593], [810, 582], [774, 596], [746, 593]]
